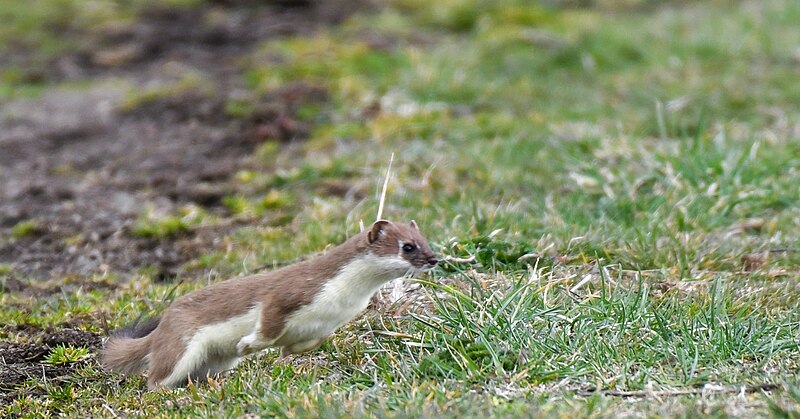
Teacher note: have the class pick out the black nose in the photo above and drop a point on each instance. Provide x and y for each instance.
(433, 261)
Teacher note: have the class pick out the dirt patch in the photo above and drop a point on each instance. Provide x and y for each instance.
(210, 35)
(83, 167)
(23, 362)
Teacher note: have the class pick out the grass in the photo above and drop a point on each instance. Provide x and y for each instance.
(626, 180)
(187, 84)
(66, 354)
(25, 228)
(159, 226)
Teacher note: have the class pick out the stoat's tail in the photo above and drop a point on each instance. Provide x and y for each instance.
(127, 350)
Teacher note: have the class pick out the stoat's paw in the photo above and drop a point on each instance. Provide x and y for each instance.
(246, 345)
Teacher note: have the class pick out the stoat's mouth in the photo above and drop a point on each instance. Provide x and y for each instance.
(414, 270)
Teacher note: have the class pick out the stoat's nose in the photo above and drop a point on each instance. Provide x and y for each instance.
(433, 261)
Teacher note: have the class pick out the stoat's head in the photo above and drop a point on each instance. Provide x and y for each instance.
(401, 241)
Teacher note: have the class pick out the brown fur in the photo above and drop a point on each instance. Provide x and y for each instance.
(280, 292)
(127, 354)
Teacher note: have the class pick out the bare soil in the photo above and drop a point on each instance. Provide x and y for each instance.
(26, 362)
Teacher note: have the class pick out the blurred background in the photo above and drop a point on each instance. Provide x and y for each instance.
(138, 134)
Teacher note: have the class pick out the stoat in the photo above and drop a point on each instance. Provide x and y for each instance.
(293, 308)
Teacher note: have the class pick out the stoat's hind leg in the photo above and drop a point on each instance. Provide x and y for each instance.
(221, 364)
(214, 367)
(171, 361)
(191, 362)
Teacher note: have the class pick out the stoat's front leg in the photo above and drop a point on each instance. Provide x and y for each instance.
(252, 343)
(300, 347)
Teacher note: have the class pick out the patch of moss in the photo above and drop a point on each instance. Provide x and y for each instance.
(27, 228)
(189, 83)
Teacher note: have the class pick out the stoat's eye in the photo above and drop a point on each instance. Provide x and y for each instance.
(408, 248)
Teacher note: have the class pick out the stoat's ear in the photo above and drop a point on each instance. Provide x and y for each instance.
(413, 225)
(376, 230)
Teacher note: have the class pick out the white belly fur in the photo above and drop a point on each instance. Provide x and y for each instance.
(341, 298)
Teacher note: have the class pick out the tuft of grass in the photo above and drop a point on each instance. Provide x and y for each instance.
(190, 83)
(152, 225)
(27, 228)
(271, 202)
(623, 335)
(6, 269)
(168, 226)
(65, 354)
(323, 61)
